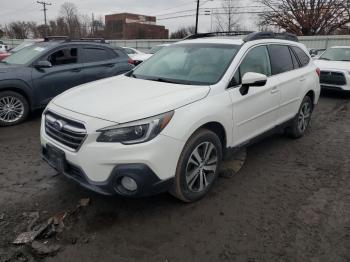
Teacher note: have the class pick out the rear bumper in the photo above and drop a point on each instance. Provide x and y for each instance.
(335, 87)
(148, 183)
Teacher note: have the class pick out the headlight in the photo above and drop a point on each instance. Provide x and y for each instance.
(135, 132)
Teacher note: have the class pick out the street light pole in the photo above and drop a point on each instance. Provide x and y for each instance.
(197, 14)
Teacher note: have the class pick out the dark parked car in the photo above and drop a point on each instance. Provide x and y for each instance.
(30, 78)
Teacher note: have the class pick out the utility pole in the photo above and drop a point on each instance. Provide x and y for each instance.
(44, 9)
(197, 14)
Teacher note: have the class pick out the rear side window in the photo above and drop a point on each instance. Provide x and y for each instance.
(281, 59)
(303, 58)
(295, 59)
(97, 54)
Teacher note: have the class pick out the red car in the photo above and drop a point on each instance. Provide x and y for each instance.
(3, 55)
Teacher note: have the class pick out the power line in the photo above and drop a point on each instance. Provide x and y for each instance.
(44, 4)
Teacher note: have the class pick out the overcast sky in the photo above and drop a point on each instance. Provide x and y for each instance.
(29, 10)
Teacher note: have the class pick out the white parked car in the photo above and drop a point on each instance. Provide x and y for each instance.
(3, 48)
(166, 125)
(140, 58)
(335, 68)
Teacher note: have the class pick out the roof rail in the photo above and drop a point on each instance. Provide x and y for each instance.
(213, 34)
(53, 38)
(99, 40)
(270, 35)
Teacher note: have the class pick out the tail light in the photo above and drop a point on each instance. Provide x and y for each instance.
(131, 62)
(318, 71)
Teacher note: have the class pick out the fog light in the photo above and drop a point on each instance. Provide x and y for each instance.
(129, 184)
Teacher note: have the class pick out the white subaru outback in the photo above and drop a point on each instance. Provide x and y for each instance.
(166, 125)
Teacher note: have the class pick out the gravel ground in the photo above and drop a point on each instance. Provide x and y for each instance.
(290, 202)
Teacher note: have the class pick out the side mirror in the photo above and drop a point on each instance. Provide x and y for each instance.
(43, 64)
(254, 79)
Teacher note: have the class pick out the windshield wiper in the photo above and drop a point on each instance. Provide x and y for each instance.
(164, 80)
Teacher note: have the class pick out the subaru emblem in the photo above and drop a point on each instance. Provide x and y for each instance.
(58, 125)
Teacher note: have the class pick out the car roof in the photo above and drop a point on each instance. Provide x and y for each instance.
(238, 41)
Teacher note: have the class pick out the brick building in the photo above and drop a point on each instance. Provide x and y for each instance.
(133, 26)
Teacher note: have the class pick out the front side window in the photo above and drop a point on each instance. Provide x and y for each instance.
(193, 64)
(336, 54)
(256, 61)
(64, 56)
(281, 59)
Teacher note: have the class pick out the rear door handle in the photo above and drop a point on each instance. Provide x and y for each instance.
(274, 90)
(110, 65)
(76, 70)
(302, 79)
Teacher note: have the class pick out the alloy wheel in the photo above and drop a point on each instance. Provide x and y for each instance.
(11, 109)
(304, 117)
(201, 167)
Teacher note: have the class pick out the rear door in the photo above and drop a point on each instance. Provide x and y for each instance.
(64, 74)
(254, 112)
(99, 62)
(286, 69)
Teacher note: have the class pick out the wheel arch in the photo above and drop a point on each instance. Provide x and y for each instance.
(19, 90)
(312, 96)
(218, 129)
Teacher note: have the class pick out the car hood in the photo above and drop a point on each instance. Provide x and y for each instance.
(122, 99)
(7, 68)
(337, 65)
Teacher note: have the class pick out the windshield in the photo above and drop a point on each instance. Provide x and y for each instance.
(192, 64)
(25, 55)
(21, 46)
(336, 54)
(156, 49)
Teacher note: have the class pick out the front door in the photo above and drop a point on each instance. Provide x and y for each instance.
(65, 73)
(256, 111)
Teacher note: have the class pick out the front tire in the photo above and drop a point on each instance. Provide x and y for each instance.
(198, 166)
(14, 108)
(302, 120)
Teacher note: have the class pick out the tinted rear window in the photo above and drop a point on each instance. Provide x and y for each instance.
(303, 58)
(281, 59)
(97, 54)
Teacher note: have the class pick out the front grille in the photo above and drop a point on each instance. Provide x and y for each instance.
(65, 131)
(332, 78)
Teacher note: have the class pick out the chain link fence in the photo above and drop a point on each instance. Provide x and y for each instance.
(318, 42)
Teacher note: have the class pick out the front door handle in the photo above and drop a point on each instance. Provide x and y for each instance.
(76, 70)
(274, 90)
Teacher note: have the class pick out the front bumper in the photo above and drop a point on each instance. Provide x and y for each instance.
(97, 165)
(148, 183)
(332, 85)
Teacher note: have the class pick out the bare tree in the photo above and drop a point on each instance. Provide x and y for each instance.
(69, 13)
(18, 30)
(306, 17)
(183, 32)
(227, 18)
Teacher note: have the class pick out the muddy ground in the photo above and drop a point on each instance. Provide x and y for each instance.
(290, 202)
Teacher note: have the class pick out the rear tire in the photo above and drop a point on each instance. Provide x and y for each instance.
(302, 120)
(198, 166)
(14, 108)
